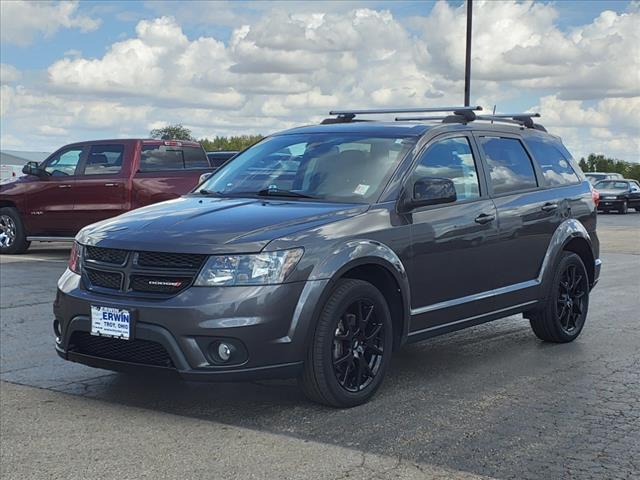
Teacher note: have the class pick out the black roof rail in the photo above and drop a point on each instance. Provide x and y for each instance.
(345, 116)
(522, 119)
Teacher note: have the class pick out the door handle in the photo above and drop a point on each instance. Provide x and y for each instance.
(485, 218)
(549, 207)
(110, 184)
(64, 185)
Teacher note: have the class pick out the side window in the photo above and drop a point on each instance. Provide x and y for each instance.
(64, 163)
(451, 159)
(154, 158)
(556, 169)
(104, 160)
(195, 158)
(509, 165)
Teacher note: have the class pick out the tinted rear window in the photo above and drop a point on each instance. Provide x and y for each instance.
(155, 158)
(104, 159)
(556, 169)
(509, 164)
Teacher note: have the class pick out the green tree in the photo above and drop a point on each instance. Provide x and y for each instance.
(236, 142)
(600, 163)
(172, 132)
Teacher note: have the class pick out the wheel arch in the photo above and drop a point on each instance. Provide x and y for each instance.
(377, 264)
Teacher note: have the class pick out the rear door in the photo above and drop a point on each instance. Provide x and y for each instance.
(101, 186)
(50, 202)
(528, 215)
(166, 170)
(454, 246)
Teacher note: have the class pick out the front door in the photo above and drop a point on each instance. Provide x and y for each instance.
(50, 203)
(455, 249)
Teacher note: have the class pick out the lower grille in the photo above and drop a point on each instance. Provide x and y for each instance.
(104, 279)
(143, 352)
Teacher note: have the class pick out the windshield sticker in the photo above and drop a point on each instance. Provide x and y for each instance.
(361, 189)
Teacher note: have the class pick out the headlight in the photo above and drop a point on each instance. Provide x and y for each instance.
(258, 269)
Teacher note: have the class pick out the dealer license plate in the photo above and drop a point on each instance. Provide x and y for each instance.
(110, 322)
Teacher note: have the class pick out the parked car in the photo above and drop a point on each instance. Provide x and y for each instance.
(86, 182)
(595, 177)
(618, 195)
(9, 172)
(320, 250)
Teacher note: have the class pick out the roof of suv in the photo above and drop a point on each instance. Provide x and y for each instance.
(401, 129)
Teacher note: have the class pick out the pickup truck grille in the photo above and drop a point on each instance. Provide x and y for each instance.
(142, 274)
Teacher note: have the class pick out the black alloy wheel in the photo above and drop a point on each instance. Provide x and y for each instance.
(572, 293)
(350, 350)
(358, 346)
(562, 317)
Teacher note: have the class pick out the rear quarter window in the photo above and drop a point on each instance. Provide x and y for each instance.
(556, 168)
(155, 158)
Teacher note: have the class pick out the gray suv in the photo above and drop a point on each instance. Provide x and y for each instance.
(320, 250)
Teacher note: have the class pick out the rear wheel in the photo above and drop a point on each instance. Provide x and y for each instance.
(12, 235)
(351, 347)
(624, 208)
(563, 317)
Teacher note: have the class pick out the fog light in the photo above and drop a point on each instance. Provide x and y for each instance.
(224, 351)
(57, 332)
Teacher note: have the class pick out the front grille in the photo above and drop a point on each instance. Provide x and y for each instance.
(156, 284)
(170, 260)
(100, 278)
(143, 352)
(150, 274)
(106, 255)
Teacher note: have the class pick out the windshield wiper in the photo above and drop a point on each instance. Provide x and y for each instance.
(277, 192)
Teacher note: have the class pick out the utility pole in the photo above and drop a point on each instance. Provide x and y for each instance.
(467, 66)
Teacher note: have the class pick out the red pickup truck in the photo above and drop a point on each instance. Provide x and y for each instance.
(86, 182)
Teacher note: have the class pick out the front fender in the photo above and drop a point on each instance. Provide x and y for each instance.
(340, 260)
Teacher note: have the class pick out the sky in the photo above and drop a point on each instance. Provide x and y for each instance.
(73, 71)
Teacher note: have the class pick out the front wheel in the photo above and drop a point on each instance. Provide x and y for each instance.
(12, 235)
(351, 347)
(561, 320)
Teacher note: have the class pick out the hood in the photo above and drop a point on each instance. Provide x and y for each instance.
(194, 224)
(11, 184)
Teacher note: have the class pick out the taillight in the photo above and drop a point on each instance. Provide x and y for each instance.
(74, 258)
(595, 195)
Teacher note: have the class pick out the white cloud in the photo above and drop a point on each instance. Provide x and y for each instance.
(292, 64)
(21, 20)
(9, 73)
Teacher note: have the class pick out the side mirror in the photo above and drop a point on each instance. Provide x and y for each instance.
(204, 177)
(431, 191)
(33, 168)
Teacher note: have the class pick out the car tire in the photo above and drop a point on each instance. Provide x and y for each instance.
(624, 208)
(350, 350)
(13, 238)
(563, 316)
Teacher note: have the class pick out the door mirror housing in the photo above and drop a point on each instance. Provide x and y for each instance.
(431, 191)
(33, 168)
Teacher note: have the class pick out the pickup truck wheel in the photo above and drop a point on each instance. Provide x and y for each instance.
(12, 234)
(561, 320)
(351, 347)
(624, 208)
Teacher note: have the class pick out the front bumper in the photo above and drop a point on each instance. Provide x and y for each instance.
(271, 323)
(612, 204)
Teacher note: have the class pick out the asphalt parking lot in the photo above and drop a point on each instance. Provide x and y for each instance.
(490, 401)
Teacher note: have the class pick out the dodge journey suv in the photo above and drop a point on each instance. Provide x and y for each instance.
(320, 250)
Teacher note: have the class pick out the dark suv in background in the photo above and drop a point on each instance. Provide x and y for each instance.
(321, 249)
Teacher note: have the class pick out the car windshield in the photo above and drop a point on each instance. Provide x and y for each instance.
(611, 185)
(332, 167)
